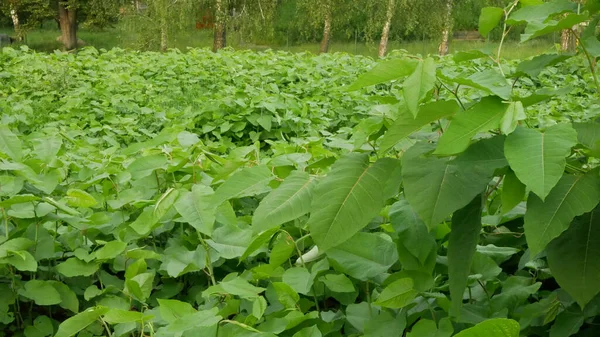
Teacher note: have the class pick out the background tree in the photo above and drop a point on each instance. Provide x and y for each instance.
(447, 30)
(385, 34)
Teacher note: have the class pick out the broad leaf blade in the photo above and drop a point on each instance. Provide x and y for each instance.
(482, 116)
(397, 295)
(73, 325)
(288, 202)
(538, 158)
(347, 199)
(406, 123)
(247, 182)
(489, 19)
(197, 208)
(10, 143)
(573, 257)
(574, 195)
(462, 244)
(385, 71)
(498, 327)
(419, 84)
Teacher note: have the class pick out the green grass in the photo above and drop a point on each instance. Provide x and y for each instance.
(45, 40)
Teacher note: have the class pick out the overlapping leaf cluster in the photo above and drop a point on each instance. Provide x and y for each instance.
(243, 194)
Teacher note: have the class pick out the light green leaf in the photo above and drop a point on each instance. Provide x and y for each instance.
(533, 67)
(16, 244)
(286, 295)
(363, 256)
(170, 310)
(110, 250)
(539, 158)
(144, 166)
(588, 134)
(73, 325)
(42, 327)
(118, 316)
(41, 292)
(482, 116)
(540, 13)
(68, 297)
(567, 323)
(74, 267)
(198, 319)
(513, 192)
(398, 294)
(197, 208)
(428, 328)
(436, 187)
(510, 120)
(385, 325)
(489, 81)
(462, 244)
(230, 241)
(417, 249)
(347, 199)
(490, 17)
(10, 143)
(247, 182)
(312, 331)
(47, 148)
(22, 260)
(498, 327)
(299, 278)
(282, 251)
(384, 72)
(178, 260)
(338, 283)
(288, 202)
(259, 241)
(574, 195)
(419, 84)
(406, 123)
(259, 305)
(573, 257)
(237, 287)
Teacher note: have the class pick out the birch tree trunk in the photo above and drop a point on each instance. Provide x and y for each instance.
(164, 35)
(326, 28)
(220, 32)
(385, 34)
(68, 26)
(448, 25)
(15, 19)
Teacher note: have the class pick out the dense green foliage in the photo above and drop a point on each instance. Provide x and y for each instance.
(275, 194)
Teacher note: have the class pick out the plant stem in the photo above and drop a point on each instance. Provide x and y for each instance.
(589, 59)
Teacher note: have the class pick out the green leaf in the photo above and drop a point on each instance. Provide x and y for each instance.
(178, 260)
(312, 331)
(588, 134)
(47, 148)
(140, 286)
(428, 328)
(282, 251)
(258, 242)
(259, 306)
(574, 195)
(41, 292)
(247, 182)
(417, 249)
(539, 158)
(364, 256)
(198, 319)
(144, 166)
(42, 327)
(436, 187)
(514, 114)
(237, 287)
(567, 323)
(299, 278)
(489, 81)
(68, 297)
(419, 84)
(537, 29)
(542, 12)
(118, 316)
(513, 192)
(110, 250)
(498, 327)
(398, 294)
(75, 324)
(10, 143)
(21, 260)
(533, 67)
(286, 295)
(384, 72)
(170, 310)
(197, 208)
(573, 257)
(338, 283)
(288, 202)
(13, 245)
(490, 17)
(482, 116)
(406, 123)
(462, 244)
(347, 199)
(230, 241)
(385, 325)
(74, 267)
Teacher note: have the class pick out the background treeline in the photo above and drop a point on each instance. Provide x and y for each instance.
(154, 24)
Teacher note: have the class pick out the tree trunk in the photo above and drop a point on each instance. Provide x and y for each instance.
(68, 26)
(385, 34)
(164, 37)
(219, 40)
(448, 25)
(15, 19)
(326, 29)
(567, 42)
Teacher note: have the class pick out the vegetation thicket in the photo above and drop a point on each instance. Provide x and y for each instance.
(243, 194)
